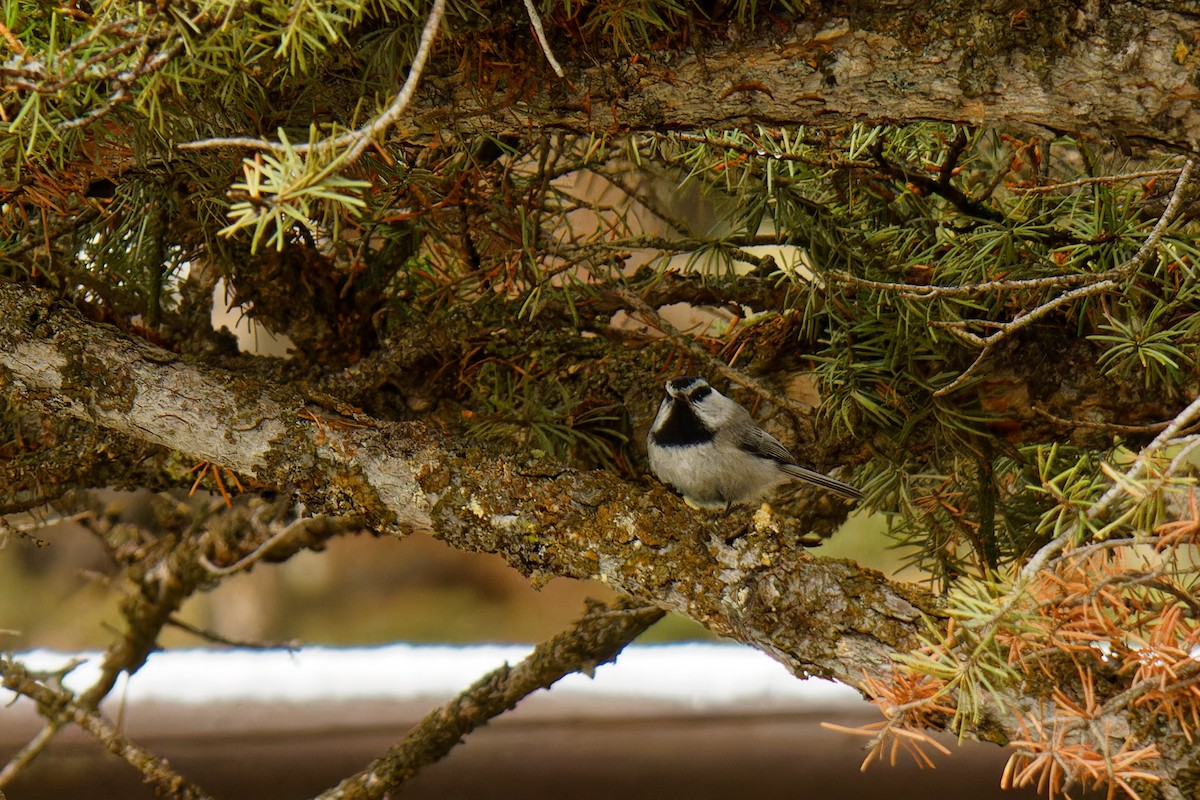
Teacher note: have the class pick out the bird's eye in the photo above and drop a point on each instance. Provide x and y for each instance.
(699, 393)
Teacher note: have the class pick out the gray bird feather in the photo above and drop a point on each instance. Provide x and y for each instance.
(709, 449)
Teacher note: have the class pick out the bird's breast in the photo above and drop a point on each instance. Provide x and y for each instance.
(680, 427)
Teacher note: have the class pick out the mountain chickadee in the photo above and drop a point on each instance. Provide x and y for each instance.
(708, 448)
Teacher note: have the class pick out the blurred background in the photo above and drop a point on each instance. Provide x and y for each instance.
(362, 590)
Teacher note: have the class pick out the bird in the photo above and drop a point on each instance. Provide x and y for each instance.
(708, 448)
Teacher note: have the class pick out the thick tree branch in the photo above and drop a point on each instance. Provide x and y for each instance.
(1120, 70)
(744, 578)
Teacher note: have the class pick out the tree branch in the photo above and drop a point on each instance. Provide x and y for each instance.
(1057, 75)
(741, 576)
(156, 770)
(1103, 282)
(358, 140)
(594, 639)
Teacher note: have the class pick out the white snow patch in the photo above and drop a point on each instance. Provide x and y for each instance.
(696, 675)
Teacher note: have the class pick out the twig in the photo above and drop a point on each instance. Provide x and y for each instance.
(536, 22)
(942, 186)
(596, 638)
(29, 752)
(924, 291)
(1006, 329)
(36, 76)
(1155, 582)
(1104, 426)
(1103, 282)
(1138, 470)
(1128, 176)
(25, 529)
(357, 140)
(715, 364)
(1184, 455)
(242, 142)
(121, 83)
(291, 646)
(66, 708)
(253, 557)
(1182, 184)
(1190, 673)
(949, 164)
(966, 374)
(371, 132)
(1082, 551)
(303, 532)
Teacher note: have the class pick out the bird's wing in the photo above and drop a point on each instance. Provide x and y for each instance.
(762, 444)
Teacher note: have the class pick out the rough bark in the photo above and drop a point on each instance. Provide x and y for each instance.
(743, 578)
(1118, 71)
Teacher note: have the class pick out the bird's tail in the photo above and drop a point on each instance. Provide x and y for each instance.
(824, 481)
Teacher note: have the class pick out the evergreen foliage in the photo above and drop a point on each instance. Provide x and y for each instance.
(998, 327)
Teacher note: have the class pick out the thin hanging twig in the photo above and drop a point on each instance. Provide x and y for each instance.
(536, 22)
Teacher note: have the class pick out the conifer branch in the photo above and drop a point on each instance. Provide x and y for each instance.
(356, 141)
(1096, 285)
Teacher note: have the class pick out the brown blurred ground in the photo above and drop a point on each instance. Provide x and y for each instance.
(546, 749)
